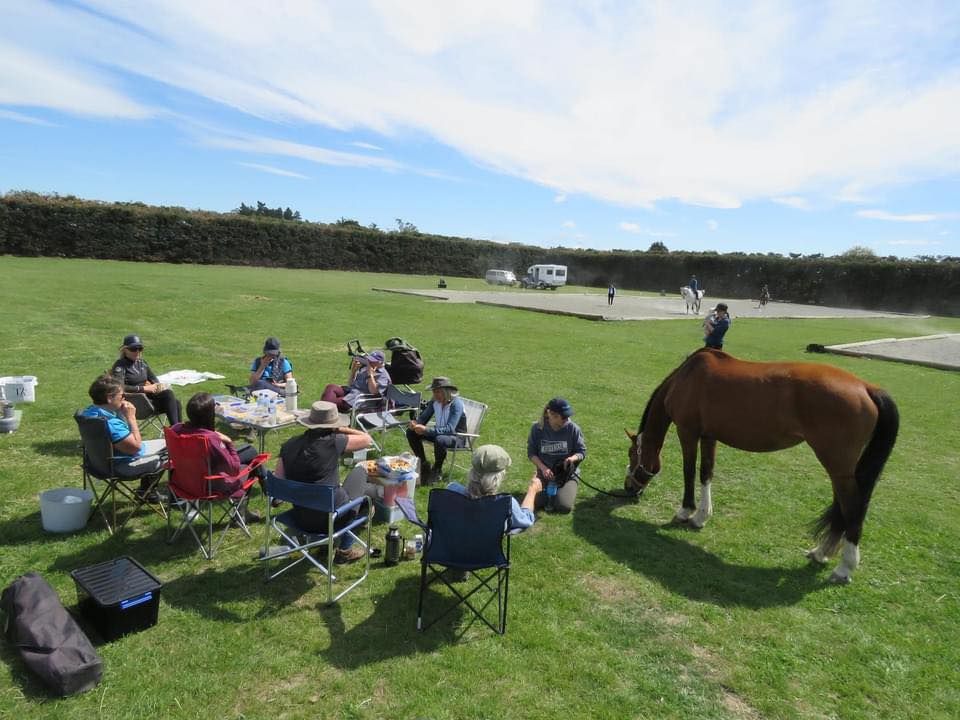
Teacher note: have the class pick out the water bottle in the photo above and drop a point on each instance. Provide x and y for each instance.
(394, 542)
(272, 414)
(291, 395)
(551, 494)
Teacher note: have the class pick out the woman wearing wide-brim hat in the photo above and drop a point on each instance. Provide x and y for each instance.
(314, 457)
(446, 409)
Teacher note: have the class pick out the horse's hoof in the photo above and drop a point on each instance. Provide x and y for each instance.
(838, 579)
(681, 519)
(816, 557)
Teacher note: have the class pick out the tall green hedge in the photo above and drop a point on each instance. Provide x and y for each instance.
(39, 225)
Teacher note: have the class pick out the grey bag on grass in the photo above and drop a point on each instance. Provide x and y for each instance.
(47, 637)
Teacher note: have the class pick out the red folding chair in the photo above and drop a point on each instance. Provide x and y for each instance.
(194, 493)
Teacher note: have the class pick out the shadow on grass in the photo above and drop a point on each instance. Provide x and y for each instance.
(213, 592)
(147, 546)
(391, 631)
(684, 568)
(60, 448)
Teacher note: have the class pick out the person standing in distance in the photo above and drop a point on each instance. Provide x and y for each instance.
(716, 326)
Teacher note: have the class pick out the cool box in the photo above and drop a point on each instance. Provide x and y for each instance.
(118, 596)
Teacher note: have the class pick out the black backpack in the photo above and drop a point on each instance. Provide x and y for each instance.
(49, 640)
(406, 365)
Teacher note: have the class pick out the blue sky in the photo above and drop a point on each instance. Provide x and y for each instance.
(805, 127)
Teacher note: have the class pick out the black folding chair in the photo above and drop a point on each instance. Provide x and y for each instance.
(470, 536)
(100, 468)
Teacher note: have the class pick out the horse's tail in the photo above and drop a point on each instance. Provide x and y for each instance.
(867, 472)
(875, 455)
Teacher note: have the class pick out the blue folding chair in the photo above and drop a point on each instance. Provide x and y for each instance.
(467, 535)
(297, 545)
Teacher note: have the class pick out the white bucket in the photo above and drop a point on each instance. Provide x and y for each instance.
(18, 388)
(65, 509)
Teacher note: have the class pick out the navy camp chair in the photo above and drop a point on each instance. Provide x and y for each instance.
(296, 545)
(466, 535)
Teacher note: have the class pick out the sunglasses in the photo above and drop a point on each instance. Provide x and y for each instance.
(135, 349)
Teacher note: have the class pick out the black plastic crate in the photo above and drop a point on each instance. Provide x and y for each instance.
(118, 597)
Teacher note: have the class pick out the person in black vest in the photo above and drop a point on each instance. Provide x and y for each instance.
(137, 377)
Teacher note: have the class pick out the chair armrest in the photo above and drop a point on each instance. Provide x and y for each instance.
(355, 503)
(466, 435)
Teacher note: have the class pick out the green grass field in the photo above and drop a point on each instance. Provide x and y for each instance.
(614, 613)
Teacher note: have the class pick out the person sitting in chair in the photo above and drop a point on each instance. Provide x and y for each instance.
(488, 467)
(271, 370)
(448, 420)
(145, 456)
(314, 457)
(222, 455)
(556, 448)
(368, 376)
(137, 377)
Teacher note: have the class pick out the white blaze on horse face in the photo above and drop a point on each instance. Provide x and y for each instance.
(704, 509)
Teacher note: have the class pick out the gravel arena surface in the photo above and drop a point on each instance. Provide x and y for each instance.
(940, 351)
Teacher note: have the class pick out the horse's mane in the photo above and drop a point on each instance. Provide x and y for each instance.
(667, 379)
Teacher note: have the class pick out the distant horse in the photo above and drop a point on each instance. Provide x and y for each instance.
(850, 424)
(692, 299)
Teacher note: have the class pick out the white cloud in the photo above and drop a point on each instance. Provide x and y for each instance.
(767, 100)
(892, 217)
(274, 146)
(22, 118)
(793, 201)
(561, 198)
(366, 146)
(273, 170)
(713, 225)
(636, 229)
(569, 224)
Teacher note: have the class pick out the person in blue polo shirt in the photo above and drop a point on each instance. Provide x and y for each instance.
(129, 447)
(272, 369)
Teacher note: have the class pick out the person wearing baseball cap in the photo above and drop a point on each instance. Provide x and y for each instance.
(368, 376)
(488, 468)
(556, 448)
(272, 369)
(715, 326)
(446, 409)
(135, 375)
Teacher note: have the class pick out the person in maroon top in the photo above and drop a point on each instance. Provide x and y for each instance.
(224, 457)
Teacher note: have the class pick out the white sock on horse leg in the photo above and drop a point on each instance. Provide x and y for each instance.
(849, 561)
(704, 509)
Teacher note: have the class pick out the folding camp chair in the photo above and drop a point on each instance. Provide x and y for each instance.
(399, 408)
(295, 543)
(100, 468)
(474, 412)
(193, 492)
(469, 535)
(147, 415)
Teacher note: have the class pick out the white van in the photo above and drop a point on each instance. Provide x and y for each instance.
(545, 277)
(500, 277)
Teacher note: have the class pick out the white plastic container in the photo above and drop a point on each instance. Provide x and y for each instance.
(65, 510)
(291, 395)
(18, 388)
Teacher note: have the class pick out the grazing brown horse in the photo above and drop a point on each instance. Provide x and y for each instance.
(713, 397)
